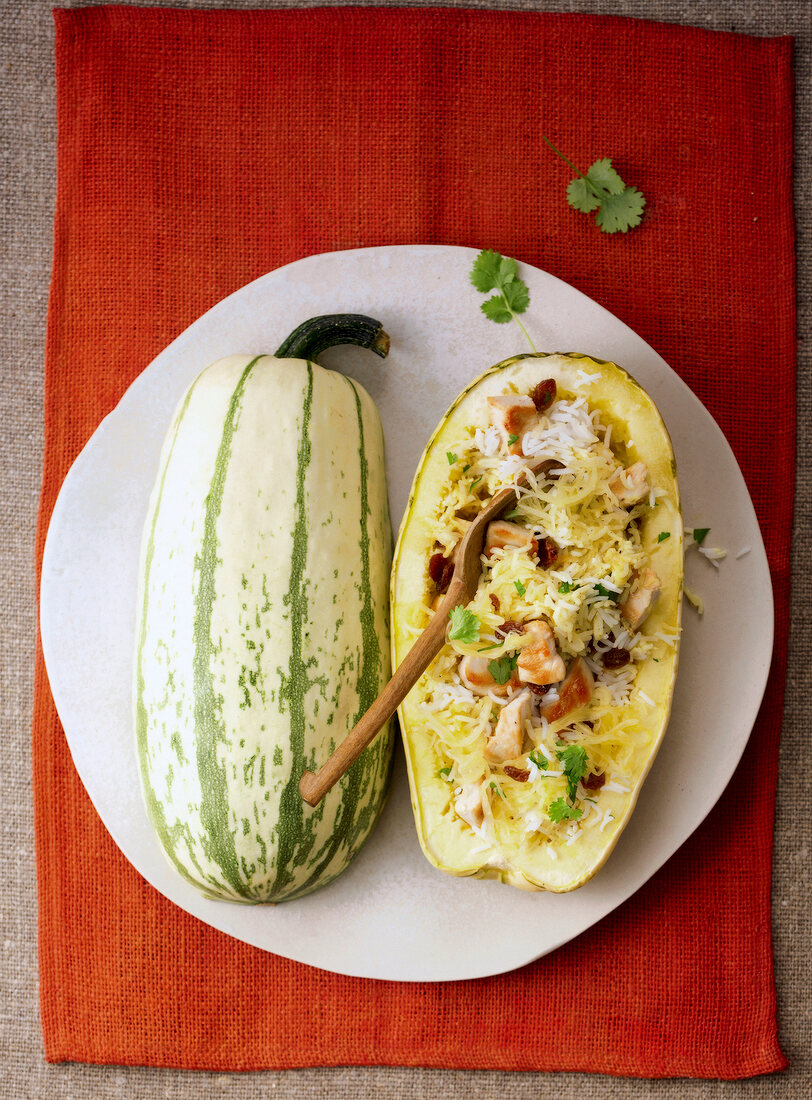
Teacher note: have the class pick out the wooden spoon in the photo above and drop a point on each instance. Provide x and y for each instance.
(461, 590)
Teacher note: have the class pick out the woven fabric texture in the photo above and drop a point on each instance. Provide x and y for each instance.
(198, 150)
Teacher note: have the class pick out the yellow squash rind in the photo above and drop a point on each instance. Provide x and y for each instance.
(447, 841)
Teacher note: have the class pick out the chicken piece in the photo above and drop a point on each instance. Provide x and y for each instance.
(468, 804)
(476, 676)
(630, 486)
(637, 604)
(507, 739)
(539, 663)
(574, 694)
(501, 533)
(512, 415)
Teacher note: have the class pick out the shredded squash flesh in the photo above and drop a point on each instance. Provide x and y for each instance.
(579, 514)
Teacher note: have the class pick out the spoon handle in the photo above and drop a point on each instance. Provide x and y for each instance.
(313, 787)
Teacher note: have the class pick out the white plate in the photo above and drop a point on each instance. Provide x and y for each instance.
(391, 915)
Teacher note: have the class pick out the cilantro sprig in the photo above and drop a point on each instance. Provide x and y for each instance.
(502, 668)
(607, 593)
(574, 759)
(492, 271)
(464, 626)
(539, 759)
(619, 207)
(568, 586)
(561, 811)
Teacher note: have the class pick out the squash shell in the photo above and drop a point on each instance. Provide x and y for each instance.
(447, 841)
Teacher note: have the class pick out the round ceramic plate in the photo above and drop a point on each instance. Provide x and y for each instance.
(391, 915)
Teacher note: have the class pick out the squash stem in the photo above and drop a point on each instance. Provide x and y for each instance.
(313, 337)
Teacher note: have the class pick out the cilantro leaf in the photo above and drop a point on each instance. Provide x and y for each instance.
(502, 668)
(700, 534)
(444, 773)
(574, 759)
(603, 175)
(520, 588)
(495, 787)
(568, 586)
(601, 191)
(607, 593)
(452, 458)
(560, 811)
(580, 197)
(516, 295)
(513, 439)
(539, 759)
(496, 309)
(488, 270)
(663, 535)
(464, 626)
(618, 213)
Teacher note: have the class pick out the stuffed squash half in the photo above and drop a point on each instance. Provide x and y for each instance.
(529, 736)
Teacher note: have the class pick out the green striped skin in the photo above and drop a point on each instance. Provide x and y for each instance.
(263, 627)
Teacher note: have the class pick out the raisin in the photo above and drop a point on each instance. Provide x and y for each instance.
(594, 781)
(441, 569)
(615, 658)
(494, 602)
(510, 627)
(436, 562)
(547, 552)
(519, 774)
(539, 689)
(544, 394)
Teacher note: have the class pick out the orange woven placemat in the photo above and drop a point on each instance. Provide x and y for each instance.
(198, 150)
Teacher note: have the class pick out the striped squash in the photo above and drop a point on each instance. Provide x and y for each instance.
(263, 619)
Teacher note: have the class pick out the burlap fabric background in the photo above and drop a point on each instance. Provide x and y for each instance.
(27, 179)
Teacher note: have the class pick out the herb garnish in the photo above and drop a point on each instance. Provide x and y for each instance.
(567, 586)
(512, 439)
(618, 206)
(560, 811)
(444, 773)
(663, 535)
(606, 593)
(574, 759)
(502, 668)
(464, 625)
(492, 271)
(539, 759)
(495, 787)
(700, 534)
(520, 588)
(452, 458)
